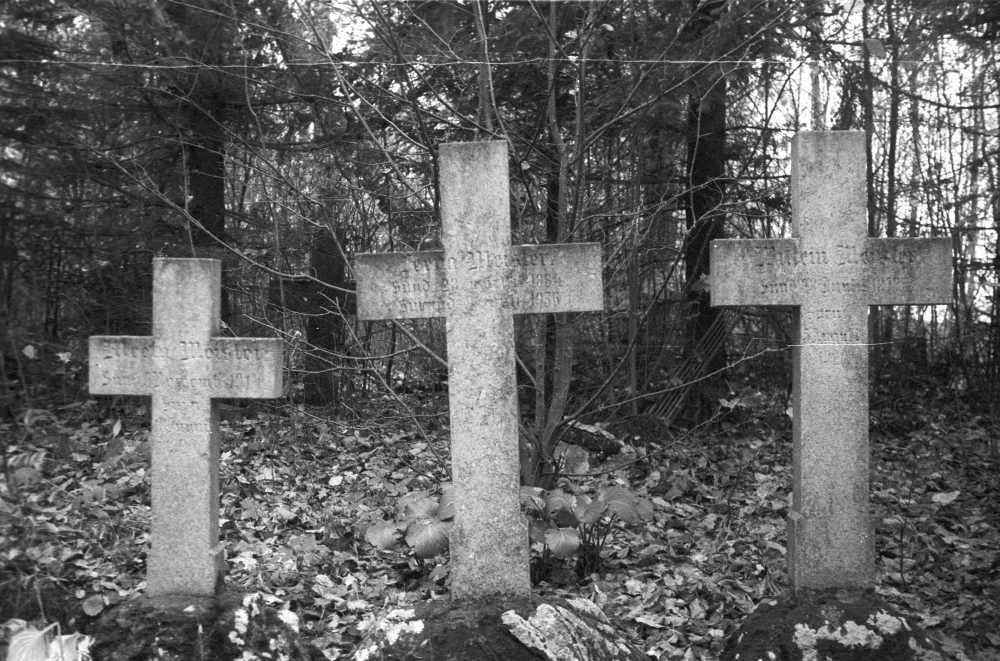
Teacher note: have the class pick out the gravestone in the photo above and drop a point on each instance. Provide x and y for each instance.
(832, 271)
(478, 282)
(183, 366)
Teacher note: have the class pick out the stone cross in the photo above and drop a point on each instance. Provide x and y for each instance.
(478, 282)
(832, 271)
(183, 366)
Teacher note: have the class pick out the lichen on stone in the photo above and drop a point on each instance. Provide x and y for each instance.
(365, 653)
(401, 614)
(522, 629)
(849, 634)
(241, 620)
(561, 633)
(856, 635)
(398, 622)
(886, 623)
(804, 636)
(394, 624)
(588, 607)
(290, 619)
(251, 602)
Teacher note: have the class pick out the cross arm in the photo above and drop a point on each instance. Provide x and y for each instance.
(908, 271)
(875, 272)
(405, 285)
(557, 277)
(121, 365)
(550, 277)
(756, 271)
(245, 367)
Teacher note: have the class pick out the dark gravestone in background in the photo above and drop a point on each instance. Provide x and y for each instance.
(324, 308)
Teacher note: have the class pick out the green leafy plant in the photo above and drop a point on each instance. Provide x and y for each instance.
(562, 524)
(422, 523)
(47, 644)
(565, 524)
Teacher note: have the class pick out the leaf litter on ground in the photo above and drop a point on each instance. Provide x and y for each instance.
(300, 492)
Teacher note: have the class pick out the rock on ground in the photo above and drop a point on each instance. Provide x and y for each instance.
(554, 630)
(828, 626)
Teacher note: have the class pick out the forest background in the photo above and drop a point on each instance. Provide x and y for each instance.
(285, 136)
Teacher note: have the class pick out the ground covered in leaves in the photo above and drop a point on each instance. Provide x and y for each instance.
(300, 489)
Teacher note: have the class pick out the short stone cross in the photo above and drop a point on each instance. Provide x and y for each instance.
(183, 366)
(832, 271)
(478, 282)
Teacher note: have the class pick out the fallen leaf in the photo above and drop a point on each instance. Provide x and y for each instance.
(563, 542)
(93, 605)
(945, 497)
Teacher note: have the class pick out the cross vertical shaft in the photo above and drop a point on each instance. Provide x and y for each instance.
(830, 532)
(490, 539)
(184, 550)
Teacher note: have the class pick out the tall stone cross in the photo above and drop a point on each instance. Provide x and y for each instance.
(478, 282)
(832, 271)
(183, 366)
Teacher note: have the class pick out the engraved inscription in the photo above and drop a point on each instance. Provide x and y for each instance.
(173, 400)
(827, 326)
(873, 255)
(544, 281)
(125, 382)
(474, 260)
(194, 350)
(484, 292)
(420, 307)
(827, 286)
(121, 364)
(138, 367)
(409, 288)
(532, 279)
(174, 426)
(768, 256)
(546, 299)
(414, 278)
(215, 382)
(772, 288)
(126, 349)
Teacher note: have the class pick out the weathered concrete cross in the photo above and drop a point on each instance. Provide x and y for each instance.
(184, 366)
(478, 283)
(833, 272)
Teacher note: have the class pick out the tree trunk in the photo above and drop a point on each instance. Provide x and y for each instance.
(206, 176)
(994, 363)
(704, 215)
(205, 36)
(485, 113)
(325, 323)
(554, 364)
